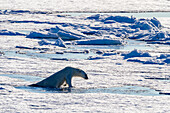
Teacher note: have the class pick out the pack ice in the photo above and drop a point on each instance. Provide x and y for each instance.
(100, 26)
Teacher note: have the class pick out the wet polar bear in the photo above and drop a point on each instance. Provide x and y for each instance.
(64, 75)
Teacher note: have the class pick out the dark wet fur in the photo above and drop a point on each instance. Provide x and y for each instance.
(34, 85)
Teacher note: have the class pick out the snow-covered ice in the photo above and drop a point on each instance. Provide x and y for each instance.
(107, 72)
(94, 26)
(87, 6)
(131, 76)
(136, 53)
(58, 42)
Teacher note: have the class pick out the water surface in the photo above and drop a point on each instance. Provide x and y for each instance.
(127, 90)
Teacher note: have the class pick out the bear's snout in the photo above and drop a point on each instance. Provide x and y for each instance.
(86, 77)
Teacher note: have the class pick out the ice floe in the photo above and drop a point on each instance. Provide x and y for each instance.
(135, 56)
(101, 25)
(104, 74)
(57, 32)
(6, 32)
(109, 53)
(121, 19)
(6, 12)
(136, 53)
(77, 51)
(95, 58)
(100, 42)
(165, 58)
(32, 48)
(58, 42)
(34, 34)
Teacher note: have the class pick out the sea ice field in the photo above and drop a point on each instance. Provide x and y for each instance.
(125, 52)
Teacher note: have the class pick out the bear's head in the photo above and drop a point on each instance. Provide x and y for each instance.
(81, 73)
(78, 72)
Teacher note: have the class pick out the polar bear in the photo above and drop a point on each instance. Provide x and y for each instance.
(64, 75)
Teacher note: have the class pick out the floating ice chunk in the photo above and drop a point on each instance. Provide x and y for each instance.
(91, 32)
(23, 47)
(77, 51)
(160, 36)
(147, 24)
(136, 53)
(121, 19)
(167, 60)
(139, 35)
(149, 61)
(6, 32)
(68, 36)
(160, 42)
(1, 88)
(113, 19)
(106, 40)
(43, 42)
(143, 25)
(33, 48)
(95, 58)
(153, 61)
(120, 26)
(99, 52)
(59, 42)
(22, 11)
(109, 53)
(99, 42)
(156, 22)
(161, 60)
(55, 30)
(41, 35)
(163, 56)
(135, 60)
(59, 52)
(96, 17)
